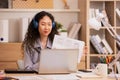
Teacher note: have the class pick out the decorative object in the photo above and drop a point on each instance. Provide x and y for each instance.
(37, 1)
(66, 6)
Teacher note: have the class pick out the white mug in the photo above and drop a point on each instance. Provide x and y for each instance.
(101, 69)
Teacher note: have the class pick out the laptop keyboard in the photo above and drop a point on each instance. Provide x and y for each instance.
(18, 71)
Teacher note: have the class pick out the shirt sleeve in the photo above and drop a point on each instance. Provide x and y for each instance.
(28, 61)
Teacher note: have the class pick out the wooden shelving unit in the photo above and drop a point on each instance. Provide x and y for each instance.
(109, 6)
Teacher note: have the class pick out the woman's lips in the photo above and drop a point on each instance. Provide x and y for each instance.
(45, 31)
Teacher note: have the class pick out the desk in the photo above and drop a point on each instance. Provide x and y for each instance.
(105, 78)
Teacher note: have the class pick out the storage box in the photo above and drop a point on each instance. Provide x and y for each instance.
(33, 4)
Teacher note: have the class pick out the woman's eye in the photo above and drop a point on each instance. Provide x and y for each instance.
(42, 24)
(49, 24)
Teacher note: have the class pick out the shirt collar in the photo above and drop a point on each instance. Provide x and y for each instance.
(38, 44)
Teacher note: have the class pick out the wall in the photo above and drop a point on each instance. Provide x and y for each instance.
(63, 17)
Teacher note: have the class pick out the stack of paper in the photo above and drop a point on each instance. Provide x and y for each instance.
(61, 42)
(86, 74)
(27, 77)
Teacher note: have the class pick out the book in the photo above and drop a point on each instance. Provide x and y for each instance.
(91, 13)
(118, 66)
(94, 23)
(105, 15)
(117, 12)
(23, 28)
(96, 44)
(4, 30)
(97, 11)
(73, 32)
(105, 44)
(105, 49)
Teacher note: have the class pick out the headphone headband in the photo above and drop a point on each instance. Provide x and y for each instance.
(36, 24)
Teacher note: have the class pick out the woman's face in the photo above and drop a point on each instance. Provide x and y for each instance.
(45, 26)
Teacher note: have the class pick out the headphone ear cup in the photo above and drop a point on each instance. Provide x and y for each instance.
(35, 23)
(53, 24)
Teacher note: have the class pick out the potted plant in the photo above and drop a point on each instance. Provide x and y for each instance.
(61, 29)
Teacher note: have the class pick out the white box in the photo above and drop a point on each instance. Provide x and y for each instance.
(23, 28)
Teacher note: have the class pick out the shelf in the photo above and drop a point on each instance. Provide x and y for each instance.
(106, 28)
(118, 27)
(101, 38)
(102, 55)
(102, 0)
(9, 43)
(38, 10)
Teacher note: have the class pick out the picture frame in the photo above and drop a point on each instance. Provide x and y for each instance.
(5, 4)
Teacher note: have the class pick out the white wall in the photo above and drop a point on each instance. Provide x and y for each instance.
(64, 18)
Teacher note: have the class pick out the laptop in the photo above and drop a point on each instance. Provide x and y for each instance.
(58, 61)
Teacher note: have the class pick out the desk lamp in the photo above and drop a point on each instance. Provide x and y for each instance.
(112, 32)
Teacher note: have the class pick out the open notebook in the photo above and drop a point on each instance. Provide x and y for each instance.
(58, 61)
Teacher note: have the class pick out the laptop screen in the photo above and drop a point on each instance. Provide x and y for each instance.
(58, 61)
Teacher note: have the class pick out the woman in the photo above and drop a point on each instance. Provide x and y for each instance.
(40, 34)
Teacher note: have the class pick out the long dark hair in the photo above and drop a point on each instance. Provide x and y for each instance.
(33, 34)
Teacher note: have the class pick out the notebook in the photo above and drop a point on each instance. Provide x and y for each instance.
(53, 61)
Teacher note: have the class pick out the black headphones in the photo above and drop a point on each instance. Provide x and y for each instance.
(36, 24)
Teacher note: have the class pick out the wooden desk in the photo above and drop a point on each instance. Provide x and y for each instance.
(98, 79)
(105, 78)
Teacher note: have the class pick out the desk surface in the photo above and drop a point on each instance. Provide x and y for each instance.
(100, 78)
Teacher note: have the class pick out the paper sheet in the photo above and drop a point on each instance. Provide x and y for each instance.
(28, 78)
(114, 75)
(61, 77)
(61, 42)
(49, 77)
(87, 75)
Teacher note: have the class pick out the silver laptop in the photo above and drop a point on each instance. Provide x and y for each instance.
(58, 61)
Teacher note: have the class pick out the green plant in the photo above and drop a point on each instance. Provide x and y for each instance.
(63, 30)
(58, 25)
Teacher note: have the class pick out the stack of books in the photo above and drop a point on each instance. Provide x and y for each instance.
(94, 18)
(73, 30)
(101, 45)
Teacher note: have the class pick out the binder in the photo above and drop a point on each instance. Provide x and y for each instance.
(4, 30)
